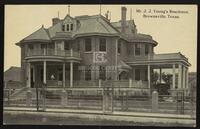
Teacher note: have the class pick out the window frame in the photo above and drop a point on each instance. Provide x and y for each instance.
(137, 49)
(30, 46)
(146, 49)
(104, 44)
(63, 27)
(68, 27)
(137, 74)
(102, 72)
(87, 43)
(119, 47)
(68, 43)
(71, 26)
(88, 75)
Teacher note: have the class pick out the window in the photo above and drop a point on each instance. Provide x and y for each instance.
(30, 46)
(137, 74)
(119, 47)
(88, 44)
(88, 74)
(63, 27)
(146, 75)
(59, 46)
(43, 46)
(67, 45)
(51, 46)
(60, 74)
(137, 49)
(71, 27)
(102, 72)
(41, 75)
(146, 49)
(102, 44)
(78, 45)
(67, 27)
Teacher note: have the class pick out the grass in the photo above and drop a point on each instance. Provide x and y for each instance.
(36, 119)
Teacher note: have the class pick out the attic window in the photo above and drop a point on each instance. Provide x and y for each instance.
(71, 27)
(67, 27)
(63, 27)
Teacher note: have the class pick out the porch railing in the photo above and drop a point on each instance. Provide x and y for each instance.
(100, 83)
(53, 52)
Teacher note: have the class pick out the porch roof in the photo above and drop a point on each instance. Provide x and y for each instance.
(122, 66)
(168, 58)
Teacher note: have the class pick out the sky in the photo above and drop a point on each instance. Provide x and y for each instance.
(172, 34)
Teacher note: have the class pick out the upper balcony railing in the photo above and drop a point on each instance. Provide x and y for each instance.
(53, 52)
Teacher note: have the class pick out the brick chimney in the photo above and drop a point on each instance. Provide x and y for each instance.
(55, 21)
(123, 19)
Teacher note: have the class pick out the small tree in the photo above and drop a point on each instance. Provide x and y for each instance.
(167, 78)
(155, 76)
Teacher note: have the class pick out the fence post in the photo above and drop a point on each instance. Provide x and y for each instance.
(64, 98)
(154, 101)
(9, 96)
(99, 83)
(28, 98)
(130, 82)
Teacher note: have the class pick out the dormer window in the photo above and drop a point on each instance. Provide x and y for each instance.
(63, 27)
(71, 27)
(67, 27)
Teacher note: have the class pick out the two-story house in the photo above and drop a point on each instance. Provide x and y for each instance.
(80, 51)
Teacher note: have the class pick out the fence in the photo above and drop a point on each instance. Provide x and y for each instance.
(106, 99)
(100, 83)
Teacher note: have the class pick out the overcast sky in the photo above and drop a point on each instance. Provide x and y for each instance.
(173, 35)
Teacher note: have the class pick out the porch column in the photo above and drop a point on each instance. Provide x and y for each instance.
(149, 77)
(44, 72)
(174, 77)
(34, 73)
(71, 74)
(160, 75)
(116, 54)
(64, 75)
(186, 79)
(28, 75)
(183, 80)
(179, 75)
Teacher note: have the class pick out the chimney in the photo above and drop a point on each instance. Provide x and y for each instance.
(123, 19)
(55, 21)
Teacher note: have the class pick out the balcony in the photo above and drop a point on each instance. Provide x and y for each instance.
(53, 53)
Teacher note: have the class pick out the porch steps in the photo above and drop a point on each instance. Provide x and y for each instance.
(19, 91)
(20, 96)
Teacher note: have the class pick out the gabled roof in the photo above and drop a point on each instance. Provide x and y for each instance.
(41, 34)
(95, 24)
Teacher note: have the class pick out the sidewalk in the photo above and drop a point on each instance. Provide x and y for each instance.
(138, 117)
